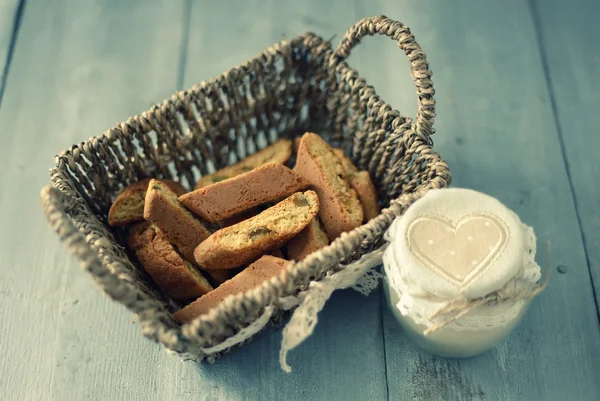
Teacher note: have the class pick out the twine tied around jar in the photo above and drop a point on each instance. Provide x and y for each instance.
(457, 308)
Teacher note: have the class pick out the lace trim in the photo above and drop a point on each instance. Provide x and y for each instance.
(304, 318)
(243, 334)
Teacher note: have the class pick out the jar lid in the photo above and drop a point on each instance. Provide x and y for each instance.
(455, 243)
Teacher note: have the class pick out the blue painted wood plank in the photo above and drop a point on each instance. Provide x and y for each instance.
(496, 130)
(9, 17)
(339, 362)
(78, 67)
(569, 35)
(104, 61)
(344, 359)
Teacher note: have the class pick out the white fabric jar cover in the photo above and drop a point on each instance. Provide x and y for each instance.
(450, 251)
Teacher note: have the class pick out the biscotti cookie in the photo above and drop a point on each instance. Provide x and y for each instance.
(311, 239)
(177, 223)
(340, 210)
(277, 253)
(361, 182)
(224, 199)
(349, 167)
(218, 276)
(367, 194)
(279, 152)
(238, 218)
(138, 235)
(258, 272)
(171, 273)
(128, 207)
(242, 243)
(296, 142)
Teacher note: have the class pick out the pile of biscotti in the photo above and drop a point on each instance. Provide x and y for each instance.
(242, 224)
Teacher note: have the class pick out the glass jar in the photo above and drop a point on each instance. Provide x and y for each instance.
(464, 248)
(450, 342)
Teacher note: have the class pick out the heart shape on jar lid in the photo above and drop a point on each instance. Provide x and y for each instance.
(459, 251)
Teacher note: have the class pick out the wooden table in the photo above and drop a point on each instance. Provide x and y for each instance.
(518, 89)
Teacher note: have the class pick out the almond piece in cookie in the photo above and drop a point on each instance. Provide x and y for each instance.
(177, 224)
(258, 272)
(340, 210)
(311, 239)
(242, 243)
(279, 152)
(177, 277)
(128, 207)
(367, 194)
(224, 199)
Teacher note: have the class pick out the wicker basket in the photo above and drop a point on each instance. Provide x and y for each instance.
(292, 87)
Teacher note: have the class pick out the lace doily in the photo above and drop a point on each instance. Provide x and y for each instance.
(419, 305)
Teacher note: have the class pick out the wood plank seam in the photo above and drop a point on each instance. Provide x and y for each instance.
(13, 40)
(61, 306)
(557, 123)
(382, 305)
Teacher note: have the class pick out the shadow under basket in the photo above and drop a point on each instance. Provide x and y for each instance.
(292, 87)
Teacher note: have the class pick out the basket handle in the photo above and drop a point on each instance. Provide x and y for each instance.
(419, 68)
